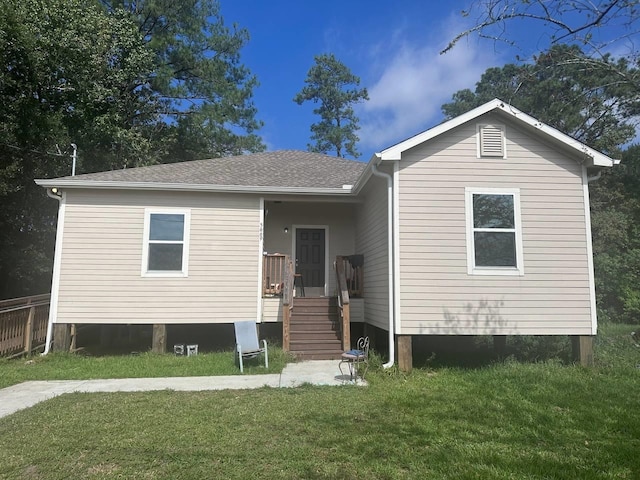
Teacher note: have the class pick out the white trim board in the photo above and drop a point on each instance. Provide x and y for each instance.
(259, 313)
(592, 280)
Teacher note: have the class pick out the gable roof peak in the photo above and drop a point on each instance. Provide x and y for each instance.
(595, 158)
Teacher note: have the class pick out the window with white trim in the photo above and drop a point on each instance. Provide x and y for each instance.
(166, 243)
(494, 234)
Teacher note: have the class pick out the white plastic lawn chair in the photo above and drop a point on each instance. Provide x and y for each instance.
(247, 345)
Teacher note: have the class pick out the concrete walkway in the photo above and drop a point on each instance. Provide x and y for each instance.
(316, 372)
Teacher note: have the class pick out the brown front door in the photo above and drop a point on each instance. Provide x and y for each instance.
(310, 261)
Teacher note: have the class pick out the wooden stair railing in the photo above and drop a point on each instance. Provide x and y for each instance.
(354, 272)
(343, 303)
(287, 303)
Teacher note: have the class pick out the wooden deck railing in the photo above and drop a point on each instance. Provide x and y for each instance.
(343, 303)
(23, 324)
(287, 302)
(273, 274)
(353, 266)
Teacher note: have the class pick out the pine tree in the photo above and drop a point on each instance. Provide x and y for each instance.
(331, 84)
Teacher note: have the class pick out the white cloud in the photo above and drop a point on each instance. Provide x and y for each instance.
(413, 81)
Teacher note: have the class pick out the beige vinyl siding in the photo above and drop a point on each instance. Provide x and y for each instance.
(437, 294)
(100, 279)
(272, 309)
(371, 241)
(338, 217)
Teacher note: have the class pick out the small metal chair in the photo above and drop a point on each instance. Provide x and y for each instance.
(357, 360)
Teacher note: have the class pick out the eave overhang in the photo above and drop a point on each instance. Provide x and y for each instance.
(187, 187)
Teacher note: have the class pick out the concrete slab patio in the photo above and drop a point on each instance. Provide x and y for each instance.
(316, 372)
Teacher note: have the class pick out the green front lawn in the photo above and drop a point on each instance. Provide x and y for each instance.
(506, 420)
(66, 366)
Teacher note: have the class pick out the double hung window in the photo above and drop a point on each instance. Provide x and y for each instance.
(494, 236)
(166, 243)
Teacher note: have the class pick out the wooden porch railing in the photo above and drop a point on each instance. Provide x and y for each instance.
(343, 303)
(353, 266)
(23, 324)
(273, 274)
(287, 302)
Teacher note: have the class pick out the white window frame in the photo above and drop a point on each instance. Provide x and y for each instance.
(145, 272)
(503, 130)
(472, 269)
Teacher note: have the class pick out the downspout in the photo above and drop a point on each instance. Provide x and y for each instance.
(377, 173)
(53, 303)
(595, 177)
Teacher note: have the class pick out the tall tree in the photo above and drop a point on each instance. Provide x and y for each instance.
(201, 90)
(615, 207)
(583, 101)
(331, 84)
(131, 83)
(62, 65)
(598, 26)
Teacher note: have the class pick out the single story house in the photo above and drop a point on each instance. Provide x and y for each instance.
(478, 226)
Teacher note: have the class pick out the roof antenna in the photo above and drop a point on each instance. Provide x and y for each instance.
(74, 156)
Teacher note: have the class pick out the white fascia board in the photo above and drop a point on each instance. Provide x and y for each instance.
(599, 159)
(366, 174)
(395, 152)
(185, 187)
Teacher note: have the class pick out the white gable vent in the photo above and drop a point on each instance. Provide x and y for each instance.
(491, 139)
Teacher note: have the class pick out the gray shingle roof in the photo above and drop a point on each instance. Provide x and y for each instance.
(282, 168)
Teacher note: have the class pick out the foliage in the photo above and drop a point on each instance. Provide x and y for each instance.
(331, 84)
(508, 420)
(131, 83)
(561, 89)
(601, 25)
(615, 204)
(62, 64)
(203, 93)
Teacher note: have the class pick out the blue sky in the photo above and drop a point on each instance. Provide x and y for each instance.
(392, 46)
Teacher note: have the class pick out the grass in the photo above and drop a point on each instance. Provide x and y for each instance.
(64, 366)
(508, 420)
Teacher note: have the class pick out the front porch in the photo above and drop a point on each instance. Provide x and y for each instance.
(308, 281)
(318, 326)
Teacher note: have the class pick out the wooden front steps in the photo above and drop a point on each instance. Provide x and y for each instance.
(314, 331)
